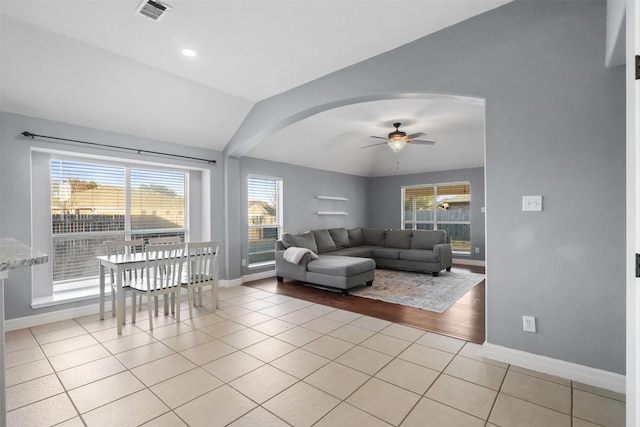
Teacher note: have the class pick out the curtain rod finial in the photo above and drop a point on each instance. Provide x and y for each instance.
(28, 134)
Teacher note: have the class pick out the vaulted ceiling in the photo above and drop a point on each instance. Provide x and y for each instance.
(96, 63)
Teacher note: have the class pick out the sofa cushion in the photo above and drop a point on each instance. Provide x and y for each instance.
(387, 253)
(300, 240)
(324, 241)
(341, 265)
(426, 239)
(340, 237)
(355, 237)
(400, 239)
(422, 255)
(373, 236)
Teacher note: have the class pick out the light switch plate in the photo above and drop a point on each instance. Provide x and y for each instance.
(531, 203)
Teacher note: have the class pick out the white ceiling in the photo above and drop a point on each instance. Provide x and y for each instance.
(95, 63)
(334, 139)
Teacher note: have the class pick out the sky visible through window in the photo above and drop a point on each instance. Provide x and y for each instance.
(63, 170)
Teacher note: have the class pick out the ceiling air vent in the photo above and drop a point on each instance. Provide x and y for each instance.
(153, 9)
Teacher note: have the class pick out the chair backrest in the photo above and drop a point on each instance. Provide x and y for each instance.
(126, 247)
(202, 265)
(164, 240)
(164, 265)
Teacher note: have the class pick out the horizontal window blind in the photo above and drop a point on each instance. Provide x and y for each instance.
(157, 199)
(265, 221)
(89, 207)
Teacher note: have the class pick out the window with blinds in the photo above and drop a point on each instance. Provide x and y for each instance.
(93, 203)
(265, 218)
(440, 207)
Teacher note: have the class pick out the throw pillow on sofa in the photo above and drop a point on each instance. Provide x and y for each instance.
(426, 239)
(300, 240)
(355, 237)
(341, 237)
(373, 236)
(324, 241)
(400, 239)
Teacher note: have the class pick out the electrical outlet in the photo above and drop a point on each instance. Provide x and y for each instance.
(244, 262)
(477, 249)
(528, 323)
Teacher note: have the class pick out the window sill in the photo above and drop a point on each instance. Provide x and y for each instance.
(260, 265)
(59, 298)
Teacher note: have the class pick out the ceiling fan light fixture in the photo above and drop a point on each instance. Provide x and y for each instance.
(397, 143)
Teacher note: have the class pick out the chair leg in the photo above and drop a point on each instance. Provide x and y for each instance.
(149, 303)
(200, 296)
(214, 291)
(113, 302)
(177, 299)
(140, 302)
(133, 307)
(190, 300)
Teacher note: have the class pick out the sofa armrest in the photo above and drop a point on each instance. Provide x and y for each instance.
(291, 271)
(445, 253)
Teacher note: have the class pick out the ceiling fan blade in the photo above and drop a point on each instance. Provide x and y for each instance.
(421, 142)
(378, 137)
(415, 135)
(374, 145)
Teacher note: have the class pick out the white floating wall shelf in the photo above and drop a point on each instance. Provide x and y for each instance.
(332, 198)
(332, 213)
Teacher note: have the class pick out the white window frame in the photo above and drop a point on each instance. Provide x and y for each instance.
(197, 215)
(435, 221)
(279, 217)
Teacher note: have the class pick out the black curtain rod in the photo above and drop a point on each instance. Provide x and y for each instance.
(33, 135)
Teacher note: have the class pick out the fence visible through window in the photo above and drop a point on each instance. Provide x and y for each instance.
(440, 207)
(94, 203)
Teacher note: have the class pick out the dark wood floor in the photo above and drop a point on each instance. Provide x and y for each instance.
(465, 319)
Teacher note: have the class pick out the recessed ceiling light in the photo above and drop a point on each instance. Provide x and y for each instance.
(189, 53)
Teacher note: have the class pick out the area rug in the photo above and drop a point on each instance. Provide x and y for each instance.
(420, 290)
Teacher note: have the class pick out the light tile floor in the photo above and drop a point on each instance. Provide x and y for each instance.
(269, 360)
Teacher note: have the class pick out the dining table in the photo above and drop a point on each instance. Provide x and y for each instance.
(119, 264)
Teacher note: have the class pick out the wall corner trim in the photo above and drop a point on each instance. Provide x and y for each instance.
(560, 368)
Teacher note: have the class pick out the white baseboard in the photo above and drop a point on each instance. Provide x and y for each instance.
(560, 368)
(258, 276)
(248, 278)
(56, 316)
(229, 283)
(463, 261)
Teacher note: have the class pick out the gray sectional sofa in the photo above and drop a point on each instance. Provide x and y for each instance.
(348, 258)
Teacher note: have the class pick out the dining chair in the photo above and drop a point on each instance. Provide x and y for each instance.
(159, 241)
(202, 270)
(163, 274)
(120, 248)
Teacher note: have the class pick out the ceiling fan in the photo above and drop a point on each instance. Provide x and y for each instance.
(397, 139)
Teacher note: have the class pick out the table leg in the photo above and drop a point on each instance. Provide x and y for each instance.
(120, 302)
(101, 276)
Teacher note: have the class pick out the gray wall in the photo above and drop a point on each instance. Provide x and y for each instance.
(15, 188)
(301, 185)
(554, 127)
(384, 199)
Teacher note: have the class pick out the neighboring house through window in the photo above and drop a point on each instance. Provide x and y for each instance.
(265, 219)
(440, 207)
(92, 202)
